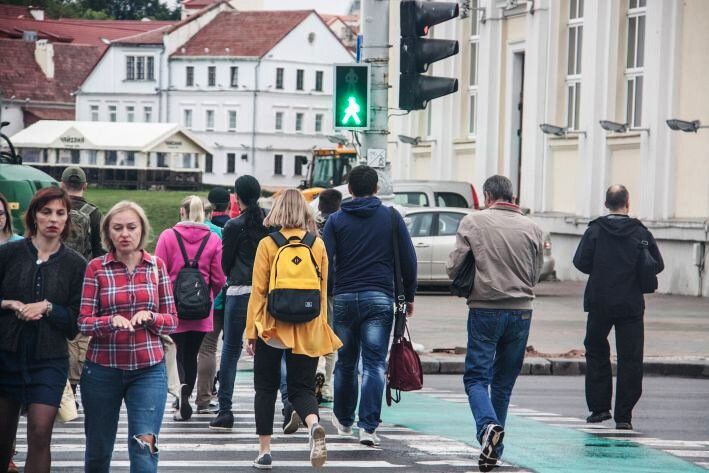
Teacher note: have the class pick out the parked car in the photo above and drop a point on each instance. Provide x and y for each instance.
(420, 193)
(433, 232)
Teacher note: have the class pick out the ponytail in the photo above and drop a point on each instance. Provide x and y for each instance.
(194, 209)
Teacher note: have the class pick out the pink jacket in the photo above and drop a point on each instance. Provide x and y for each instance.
(210, 263)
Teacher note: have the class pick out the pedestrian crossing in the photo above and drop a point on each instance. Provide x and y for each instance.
(190, 445)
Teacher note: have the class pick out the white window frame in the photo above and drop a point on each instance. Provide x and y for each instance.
(209, 120)
(211, 76)
(278, 121)
(130, 113)
(94, 113)
(231, 124)
(635, 66)
(299, 118)
(112, 113)
(148, 113)
(473, 58)
(300, 79)
(280, 73)
(278, 161)
(130, 67)
(319, 81)
(187, 118)
(140, 68)
(573, 63)
(234, 76)
(319, 117)
(189, 76)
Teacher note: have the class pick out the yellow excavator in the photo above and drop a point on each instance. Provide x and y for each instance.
(329, 167)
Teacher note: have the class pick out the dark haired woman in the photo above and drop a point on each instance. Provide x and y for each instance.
(6, 232)
(240, 239)
(40, 290)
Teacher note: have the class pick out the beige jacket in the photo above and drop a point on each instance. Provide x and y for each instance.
(509, 252)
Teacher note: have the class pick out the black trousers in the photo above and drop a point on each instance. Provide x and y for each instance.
(300, 377)
(187, 344)
(629, 337)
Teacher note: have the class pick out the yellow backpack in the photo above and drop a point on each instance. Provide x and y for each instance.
(294, 286)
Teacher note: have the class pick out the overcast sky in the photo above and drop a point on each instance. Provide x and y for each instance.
(322, 6)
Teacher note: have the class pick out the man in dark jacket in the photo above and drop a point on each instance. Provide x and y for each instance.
(360, 248)
(608, 253)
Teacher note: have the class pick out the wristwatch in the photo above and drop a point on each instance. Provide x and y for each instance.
(49, 309)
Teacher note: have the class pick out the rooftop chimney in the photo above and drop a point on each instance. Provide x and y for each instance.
(44, 55)
(37, 13)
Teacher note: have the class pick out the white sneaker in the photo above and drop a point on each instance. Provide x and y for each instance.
(370, 440)
(342, 431)
(318, 449)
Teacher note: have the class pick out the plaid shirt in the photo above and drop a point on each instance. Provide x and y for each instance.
(110, 290)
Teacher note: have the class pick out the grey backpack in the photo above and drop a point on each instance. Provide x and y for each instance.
(79, 238)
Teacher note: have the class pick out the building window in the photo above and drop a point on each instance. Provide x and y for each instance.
(232, 120)
(140, 68)
(209, 119)
(94, 113)
(244, 157)
(130, 158)
(189, 76)
(130, 113)
(130, 67)
(151, 68)
(299, 74)
(279, 78)
(278, 164)
(318, 81)
(299, 121)
(212, 76)
(187, 118)
(75, 156)
(573, 68)
(93, 157)
(279, 121)
(635, 64)
(111, 158)
(300, 161)
(208, 163)
(473, 71)
(230, 163)
(162, 160)
(234, 76)
(147, 114)
(186, 160)
(112, 113)
(318, 122)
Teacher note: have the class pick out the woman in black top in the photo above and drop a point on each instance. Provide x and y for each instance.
(40, 293)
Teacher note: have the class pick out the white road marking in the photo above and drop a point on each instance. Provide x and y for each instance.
(230, 464)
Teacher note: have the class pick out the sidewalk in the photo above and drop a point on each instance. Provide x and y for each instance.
(676, 332)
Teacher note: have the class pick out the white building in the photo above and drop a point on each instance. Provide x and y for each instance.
(573, 63)
(254, 86)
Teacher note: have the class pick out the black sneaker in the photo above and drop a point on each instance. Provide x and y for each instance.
(597, 417)
(492, 436)
(263, 462)
(184, 412)
(223, 421)
(623, 426)
(319, 382)
(291, 420)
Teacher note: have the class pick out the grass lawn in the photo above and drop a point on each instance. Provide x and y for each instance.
(161, 207)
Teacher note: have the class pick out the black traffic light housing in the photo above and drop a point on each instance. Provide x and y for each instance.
(417, 53)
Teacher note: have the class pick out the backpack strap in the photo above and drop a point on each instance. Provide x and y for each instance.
(87, 209)
(308, 239)
(186, 258)
(195, 263)
(279, 239)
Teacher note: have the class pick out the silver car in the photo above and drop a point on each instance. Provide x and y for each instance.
(433, 230)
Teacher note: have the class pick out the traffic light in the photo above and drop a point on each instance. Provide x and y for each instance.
(350, 98)
(418, 52)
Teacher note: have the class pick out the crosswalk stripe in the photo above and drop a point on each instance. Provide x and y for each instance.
(206, 447)
(231, 464)
(689, 453)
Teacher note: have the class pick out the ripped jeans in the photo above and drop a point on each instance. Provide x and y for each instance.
(103, 390)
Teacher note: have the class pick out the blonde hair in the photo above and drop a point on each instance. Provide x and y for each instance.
(116, 209)
(194, 209)
(291, 211)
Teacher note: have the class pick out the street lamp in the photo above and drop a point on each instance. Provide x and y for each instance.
(616, 127)
(560, 131)
(685, 126)
(337, 139)
(410, 140)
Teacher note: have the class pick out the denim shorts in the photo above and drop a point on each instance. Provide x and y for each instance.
(32, 381)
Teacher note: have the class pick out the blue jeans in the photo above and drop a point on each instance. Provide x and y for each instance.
(497, 339)
(234, 324)
(103, 390)
(362, 320)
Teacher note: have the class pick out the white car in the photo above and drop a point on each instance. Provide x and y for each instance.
(433, 232)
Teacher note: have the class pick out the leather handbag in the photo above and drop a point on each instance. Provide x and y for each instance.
(404, 372)
(462, 284)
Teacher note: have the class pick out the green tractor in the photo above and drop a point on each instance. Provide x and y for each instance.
(18, 182)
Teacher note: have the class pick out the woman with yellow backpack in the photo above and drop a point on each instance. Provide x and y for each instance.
(288, 312)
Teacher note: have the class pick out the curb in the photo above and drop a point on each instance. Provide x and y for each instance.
(572, 367)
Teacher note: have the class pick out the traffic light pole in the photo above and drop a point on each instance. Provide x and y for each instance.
(374, 23)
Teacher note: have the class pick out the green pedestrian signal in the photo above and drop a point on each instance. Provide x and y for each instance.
(350, 98)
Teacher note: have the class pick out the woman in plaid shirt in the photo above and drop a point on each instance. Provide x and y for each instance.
(126, 306)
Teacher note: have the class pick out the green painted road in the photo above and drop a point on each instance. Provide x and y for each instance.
(534, 445)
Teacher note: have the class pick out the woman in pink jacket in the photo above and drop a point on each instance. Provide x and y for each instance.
(193, 305)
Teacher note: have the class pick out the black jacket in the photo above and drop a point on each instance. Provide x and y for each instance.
(608, 253)
(62, 279)
(239, 251)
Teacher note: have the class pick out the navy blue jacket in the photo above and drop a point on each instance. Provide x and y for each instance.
(359, 246)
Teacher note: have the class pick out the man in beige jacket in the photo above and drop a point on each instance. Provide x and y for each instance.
(508, 252)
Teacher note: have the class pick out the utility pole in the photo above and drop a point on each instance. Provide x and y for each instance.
(374, 24)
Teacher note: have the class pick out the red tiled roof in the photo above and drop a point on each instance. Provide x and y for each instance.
(245, 33)
(77, 31)
(197, 4)
(34, 114)
(14, 11)
(22, 77)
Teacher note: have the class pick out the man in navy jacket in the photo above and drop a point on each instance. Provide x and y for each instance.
(361, 252)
